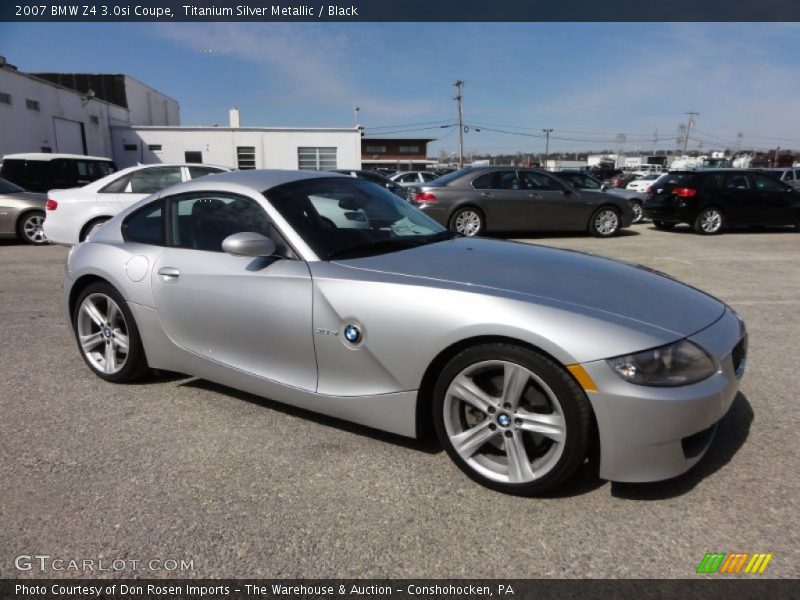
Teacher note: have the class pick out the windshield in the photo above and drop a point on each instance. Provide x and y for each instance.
(6, 187)
(342, 217)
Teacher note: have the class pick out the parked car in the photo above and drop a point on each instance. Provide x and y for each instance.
(604, 173)
(376, 177)
(413, 178)
(21, 214)
(790, 176)
(40, 172)
(475, 200)
(622, 180)
(73, 214)
(711, 200)
(583, 181)
(519, 357)
(643, 182)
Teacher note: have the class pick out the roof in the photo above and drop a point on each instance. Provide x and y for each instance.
(51, 156)
(397, 139)
(257, 180)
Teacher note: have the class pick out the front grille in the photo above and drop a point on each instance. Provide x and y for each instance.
(695, 444)
(739, 356)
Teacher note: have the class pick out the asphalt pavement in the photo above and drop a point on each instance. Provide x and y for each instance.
(181, 469)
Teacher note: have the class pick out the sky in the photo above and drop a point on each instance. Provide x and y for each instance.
(588, 82)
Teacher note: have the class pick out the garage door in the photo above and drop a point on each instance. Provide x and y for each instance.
(69, 136)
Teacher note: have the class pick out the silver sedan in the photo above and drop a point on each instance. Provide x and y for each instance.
(517, 356)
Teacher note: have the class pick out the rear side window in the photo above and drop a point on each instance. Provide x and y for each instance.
(13, 168)
(146, 225)
(197, 172)
(496, 180)
(149, 181)
(538, 181)
(679, 180)
(117, 186)
(737, 181)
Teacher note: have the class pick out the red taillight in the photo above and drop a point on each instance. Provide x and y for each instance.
(684, 192)
(424, 197)
(51, 204)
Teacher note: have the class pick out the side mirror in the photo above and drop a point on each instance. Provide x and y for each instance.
(248, 244)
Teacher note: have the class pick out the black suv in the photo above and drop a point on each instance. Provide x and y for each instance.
(40, 172)
(712, 199)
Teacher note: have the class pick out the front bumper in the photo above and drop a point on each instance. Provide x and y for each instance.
(654, 433)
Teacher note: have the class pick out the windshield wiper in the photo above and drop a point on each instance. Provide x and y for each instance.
(375, 246)
(440, 237)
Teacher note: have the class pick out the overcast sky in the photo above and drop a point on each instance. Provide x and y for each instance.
(588, 82)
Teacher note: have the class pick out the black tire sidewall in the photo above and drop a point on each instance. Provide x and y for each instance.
(477, 211)
(574, 405)
(136, 363)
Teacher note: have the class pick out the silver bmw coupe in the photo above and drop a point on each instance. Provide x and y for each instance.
(332, 294)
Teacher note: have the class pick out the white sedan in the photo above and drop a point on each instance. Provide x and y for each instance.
(73, 213)
(642, 183)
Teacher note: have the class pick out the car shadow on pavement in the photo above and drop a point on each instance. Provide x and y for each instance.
(428, 446)
(541, 235)
(732, 433)
(687, 229)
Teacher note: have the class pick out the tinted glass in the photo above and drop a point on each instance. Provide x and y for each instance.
(765, 183)
(6, 187)
(538, 181)
(373, 177)
(497, 180)
(736, 181)
(428, 176)
(196, 172)
(117, 186)
(13, 168)
(145, 226)
(203, 221)
(445, 179)
(39, 170)
(149, 181)
(678, 180)
(333, 215)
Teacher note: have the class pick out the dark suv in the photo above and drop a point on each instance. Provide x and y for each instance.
(710, 200)
(40, 172)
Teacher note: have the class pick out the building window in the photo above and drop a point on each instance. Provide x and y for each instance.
(47, 150)
(193, 156)
(130, 147)
(409, 149)
(95, 120)
(32, 104)
(377, 149)
(5, 98)
(154, 147)
(316, 159)
(246, 157)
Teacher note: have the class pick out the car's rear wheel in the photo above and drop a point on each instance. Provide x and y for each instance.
(30, 228)
(709, 222)
(638, 211)
(467, 221)
(605, 222)
(512, 419)
(107, 335)
(91, 226)
(663, 225)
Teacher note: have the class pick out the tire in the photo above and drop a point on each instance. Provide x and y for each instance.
(467, 398)
(29, 228)
(102, 347)
(468, 221)
(605, 222)
(663, 225)
(638, 211)
(91, 226)
(710, 221)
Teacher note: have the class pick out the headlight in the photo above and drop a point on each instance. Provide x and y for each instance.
(680, 363)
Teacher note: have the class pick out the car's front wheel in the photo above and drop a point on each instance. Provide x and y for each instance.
(107, 334)
(30, 228)
(605, 222)
(467, 221)
(709, 222)
(512, 419)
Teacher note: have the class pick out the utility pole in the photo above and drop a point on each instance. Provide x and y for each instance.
(458, 84)
(547, 133)
(689, 125)
(655, 142)
(356, 109)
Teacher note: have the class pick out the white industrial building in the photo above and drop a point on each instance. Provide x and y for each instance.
(315, 148)
(74, 112)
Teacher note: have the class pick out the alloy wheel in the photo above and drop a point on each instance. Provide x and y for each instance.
(468, 222)
(504, 421)
(103, 333)
(606, 222)
(711, 221)
(638, 212)
(33, 229)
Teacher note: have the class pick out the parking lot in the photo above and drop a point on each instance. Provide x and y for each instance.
(178, 468)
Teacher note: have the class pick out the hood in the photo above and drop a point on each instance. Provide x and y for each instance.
(552, 276)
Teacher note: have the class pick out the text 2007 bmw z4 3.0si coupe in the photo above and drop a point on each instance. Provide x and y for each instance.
(332, 294)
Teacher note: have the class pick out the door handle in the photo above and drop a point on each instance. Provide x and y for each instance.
(534, 195)
(486, 194)
(169, 274)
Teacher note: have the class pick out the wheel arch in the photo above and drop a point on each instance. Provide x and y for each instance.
(90, 223)
(81, 284)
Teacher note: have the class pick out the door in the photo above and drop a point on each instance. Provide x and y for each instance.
(776, 200)
(69, 136)
(148, 181)
(252, 314)
(551, 206)
(505, 204)
(739, 202)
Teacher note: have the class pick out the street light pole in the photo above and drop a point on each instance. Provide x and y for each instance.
(547, 133)
(458, 85)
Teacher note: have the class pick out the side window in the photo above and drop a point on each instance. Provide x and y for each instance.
(149, 181)
(409, 178)
(428, 176)
(497, 180)
(117, 186)
(146, 225)
(714, 182)
(765, 183)
(201, 221)
(736, 181)
(538, 181)
(197, 172)
(484, 182)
